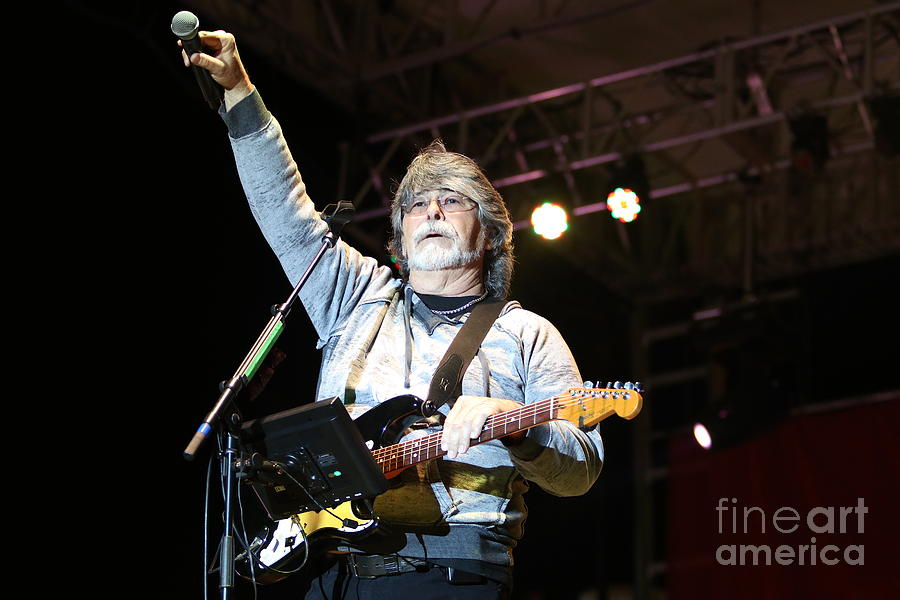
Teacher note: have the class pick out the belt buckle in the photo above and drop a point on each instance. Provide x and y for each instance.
(374, 565)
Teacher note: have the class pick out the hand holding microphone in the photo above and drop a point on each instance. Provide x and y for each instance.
(214, 58)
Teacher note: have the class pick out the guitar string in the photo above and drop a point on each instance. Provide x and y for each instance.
(400, 455)
(432, 440)
(424, 444)
(494, 422)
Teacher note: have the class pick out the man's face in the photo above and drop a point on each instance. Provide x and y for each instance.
(440, 237)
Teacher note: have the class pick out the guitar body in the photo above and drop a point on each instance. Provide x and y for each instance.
(282, 546)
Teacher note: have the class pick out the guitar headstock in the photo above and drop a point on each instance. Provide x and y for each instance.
(589, 405)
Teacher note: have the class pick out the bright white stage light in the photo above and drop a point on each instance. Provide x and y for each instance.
(701, 434)
(624, 204)
(549, 220)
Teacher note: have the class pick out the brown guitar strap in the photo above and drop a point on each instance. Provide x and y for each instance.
(446, 384)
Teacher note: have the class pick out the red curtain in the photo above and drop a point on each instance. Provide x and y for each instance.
(816, 463)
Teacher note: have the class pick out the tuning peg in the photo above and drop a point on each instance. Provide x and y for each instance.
(638, 386)
(629, 385)
(588, 384)
(617, 385)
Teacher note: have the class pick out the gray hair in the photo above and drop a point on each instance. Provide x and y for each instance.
(436, 168)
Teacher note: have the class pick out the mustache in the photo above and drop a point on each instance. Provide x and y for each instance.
(433, 227)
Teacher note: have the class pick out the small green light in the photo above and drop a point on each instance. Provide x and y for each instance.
(337, 473)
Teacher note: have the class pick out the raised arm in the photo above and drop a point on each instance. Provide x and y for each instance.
(278, 199)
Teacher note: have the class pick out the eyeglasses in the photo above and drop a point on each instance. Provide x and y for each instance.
(448, 204)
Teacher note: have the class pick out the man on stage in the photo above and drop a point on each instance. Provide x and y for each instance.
(383, 336)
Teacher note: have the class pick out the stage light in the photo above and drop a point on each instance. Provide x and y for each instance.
(624, 204)
(549, 220)
(754, 369)
(723, 427)
(701, 434)
(628, 187)
(738, 420)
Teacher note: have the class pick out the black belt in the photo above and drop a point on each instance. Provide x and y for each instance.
(370, 566)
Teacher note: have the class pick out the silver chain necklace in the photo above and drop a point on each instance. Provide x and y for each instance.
(461, 308)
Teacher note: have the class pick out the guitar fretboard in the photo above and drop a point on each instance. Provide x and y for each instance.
(405, 454)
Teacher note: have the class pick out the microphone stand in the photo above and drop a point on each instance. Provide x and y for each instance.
(226, 414)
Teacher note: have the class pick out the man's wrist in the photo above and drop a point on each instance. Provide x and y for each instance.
(238, 93)
(247, 116)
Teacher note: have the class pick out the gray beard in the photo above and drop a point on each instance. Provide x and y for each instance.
(434, 258)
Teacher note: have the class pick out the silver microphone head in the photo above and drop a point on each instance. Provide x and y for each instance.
(185, 24)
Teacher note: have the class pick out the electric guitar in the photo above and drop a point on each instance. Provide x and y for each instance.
(280, 547)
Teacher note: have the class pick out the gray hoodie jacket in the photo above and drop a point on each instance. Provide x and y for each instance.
(379, 341)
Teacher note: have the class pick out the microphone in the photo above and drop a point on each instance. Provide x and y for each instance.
(185, 25)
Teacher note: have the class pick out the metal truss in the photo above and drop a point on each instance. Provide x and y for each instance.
(703, 122)
(729, 95)
(382, 62)
(711, 119)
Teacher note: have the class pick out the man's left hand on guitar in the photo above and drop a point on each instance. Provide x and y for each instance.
(466, 420)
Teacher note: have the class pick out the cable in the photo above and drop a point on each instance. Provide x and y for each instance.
(254, 558)
(279, 571)
(242, 537)
(239, 533)
(345, 522)
(300, 527)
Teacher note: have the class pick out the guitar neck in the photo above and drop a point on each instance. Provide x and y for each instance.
(397, 457)
(427, 447)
